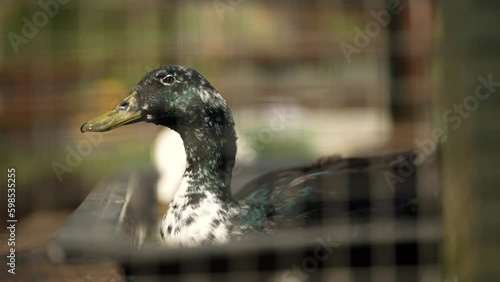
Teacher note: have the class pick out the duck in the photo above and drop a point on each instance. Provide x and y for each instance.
(170, 169)
(203, 209)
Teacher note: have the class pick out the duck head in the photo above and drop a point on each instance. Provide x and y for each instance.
(182, 99)
(173, 96)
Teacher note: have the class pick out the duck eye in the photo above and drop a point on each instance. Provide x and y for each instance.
(124, 105)
(167, 80)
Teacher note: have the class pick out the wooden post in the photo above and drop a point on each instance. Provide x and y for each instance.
(469, 107)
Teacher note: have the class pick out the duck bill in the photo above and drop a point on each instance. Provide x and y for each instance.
(116, 117)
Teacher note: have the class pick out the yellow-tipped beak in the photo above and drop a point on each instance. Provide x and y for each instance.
(126, 112)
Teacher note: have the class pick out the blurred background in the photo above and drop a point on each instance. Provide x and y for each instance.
(303, 79)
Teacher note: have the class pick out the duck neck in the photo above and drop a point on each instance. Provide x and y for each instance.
(210, 144)
(203, 206)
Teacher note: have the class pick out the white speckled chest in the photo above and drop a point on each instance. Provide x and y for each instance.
(193, 219)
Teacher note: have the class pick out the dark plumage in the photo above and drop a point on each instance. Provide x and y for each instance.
(203, 209)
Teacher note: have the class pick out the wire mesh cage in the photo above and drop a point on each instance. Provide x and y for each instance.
(366, 241)
(303, 80)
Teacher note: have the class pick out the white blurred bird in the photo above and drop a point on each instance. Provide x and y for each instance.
(169, 157)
